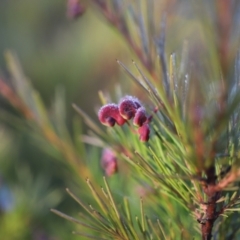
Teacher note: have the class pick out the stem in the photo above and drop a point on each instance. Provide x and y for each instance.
(210, 212)
(119, 23)
(209, 185)
(224, 29)
(161, 52)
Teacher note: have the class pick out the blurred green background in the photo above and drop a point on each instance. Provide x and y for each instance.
(55, 52)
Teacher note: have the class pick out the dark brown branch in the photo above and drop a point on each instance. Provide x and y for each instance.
(212, 197)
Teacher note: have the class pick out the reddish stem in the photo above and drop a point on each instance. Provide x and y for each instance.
(119, 23)
(224, 27)
(212, 197)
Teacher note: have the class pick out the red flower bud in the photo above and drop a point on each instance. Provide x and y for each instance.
(109, 162)
(128, 106)
(140, 117)
(144, 132)
(109, 115)
(74, 9)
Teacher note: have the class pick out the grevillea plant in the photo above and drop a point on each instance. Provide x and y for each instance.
(191, 157)
(177, 139)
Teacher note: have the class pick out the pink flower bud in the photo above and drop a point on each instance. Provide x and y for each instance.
(128, 106)
(109, 162)
(144, 132)
(144, 190)
(109, 115)
(140, 117)
(74, 9)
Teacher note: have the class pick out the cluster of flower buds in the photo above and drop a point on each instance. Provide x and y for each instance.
(128, 108)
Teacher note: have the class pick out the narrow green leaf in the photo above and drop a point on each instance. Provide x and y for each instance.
(161, 229)
(88, 120)
(149, 84)
(89, 236)
(139, 225)
(132, 76)
(142, 215)
(233, 196)
(118, 220)
(111, 198)
(98, 199)
(102, 98)
(127, 210)
(154, 230)
(92, 213)
(75, 220)
(232, 210)
(79, 201)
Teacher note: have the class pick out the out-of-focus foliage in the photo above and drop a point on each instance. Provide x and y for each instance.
(55, 50)
(64, 62)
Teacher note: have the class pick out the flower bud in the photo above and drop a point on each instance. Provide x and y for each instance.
(128, 107)
(74, 9)
(140, 117)
(144, 132)
(109, 162)
(109, 115)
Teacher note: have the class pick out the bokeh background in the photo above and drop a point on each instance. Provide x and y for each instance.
(55, 52)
